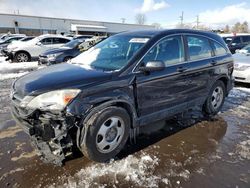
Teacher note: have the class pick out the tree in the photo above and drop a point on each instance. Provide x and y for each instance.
(140, 19)
(244, 27)
(157, 25)
(236, 27)
(226, 29)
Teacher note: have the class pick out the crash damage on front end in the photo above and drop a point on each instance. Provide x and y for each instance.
(52, 132)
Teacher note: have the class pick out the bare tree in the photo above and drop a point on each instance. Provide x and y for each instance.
(236, 27)
(244, 27)
(157, 25)
(226, 29)
(140, 19)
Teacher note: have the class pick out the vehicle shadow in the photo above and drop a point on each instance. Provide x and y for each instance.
(191, 124)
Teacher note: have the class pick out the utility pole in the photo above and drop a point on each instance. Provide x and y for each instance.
(197, 21)
(182, 18)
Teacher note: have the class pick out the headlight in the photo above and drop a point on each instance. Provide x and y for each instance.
(241, 68)
(54, 100)
(53, 56)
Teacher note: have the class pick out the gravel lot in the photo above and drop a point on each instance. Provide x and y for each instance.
(214, 153)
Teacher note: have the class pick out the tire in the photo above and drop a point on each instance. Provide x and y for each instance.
(66, 59)
(22, 57)
(103, 141)
(215, 99)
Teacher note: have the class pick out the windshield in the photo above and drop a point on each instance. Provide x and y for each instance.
(228, 40)
(73, 43)
(111, 54)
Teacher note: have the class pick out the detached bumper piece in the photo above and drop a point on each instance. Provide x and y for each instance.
(49, 135)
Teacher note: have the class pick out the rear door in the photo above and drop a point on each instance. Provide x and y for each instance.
(46, 44)
(200, 61)
(160, 91)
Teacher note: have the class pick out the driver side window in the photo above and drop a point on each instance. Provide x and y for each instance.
(46, 41)
(170, 51)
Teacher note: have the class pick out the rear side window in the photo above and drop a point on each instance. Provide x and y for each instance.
(236, 40)
(218, 49)
(199, 47)
(169, 50)
(246, 39)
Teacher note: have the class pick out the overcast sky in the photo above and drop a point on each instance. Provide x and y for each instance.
(165, 12)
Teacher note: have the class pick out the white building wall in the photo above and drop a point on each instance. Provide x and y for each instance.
(60, 24)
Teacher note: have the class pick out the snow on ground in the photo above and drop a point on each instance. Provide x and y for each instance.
(137, 170)
(14, 70)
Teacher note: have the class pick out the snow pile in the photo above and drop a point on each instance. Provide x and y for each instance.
(131, 170)
(243, 149)
(14, 70)
(7, 67)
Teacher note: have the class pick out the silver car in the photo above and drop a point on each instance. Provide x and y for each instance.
(242, 65)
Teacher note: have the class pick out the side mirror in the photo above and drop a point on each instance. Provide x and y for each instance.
(152, 66)
(39, 44)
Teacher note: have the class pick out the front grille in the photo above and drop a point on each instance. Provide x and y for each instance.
(240, 78)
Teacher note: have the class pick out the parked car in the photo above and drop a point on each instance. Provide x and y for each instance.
(241, 71)
(8, 35)
(105, 95)
(68, 51)
(30, 50)
(236, 41)
(13, 43)
(7, 41)
(62, 54)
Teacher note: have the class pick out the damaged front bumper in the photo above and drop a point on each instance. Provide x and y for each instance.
(53, 136)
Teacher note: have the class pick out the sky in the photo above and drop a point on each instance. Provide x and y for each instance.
(212, 13)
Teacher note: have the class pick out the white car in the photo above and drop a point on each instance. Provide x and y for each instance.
(242, 67)
(30, 50)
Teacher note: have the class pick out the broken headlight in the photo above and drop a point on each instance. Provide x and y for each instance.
(53, 100)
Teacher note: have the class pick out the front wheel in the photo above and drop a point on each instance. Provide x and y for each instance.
(215, 99)
(106, 134)
(22, 57)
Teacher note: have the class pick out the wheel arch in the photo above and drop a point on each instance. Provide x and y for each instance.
(23, 51)
(101, 106)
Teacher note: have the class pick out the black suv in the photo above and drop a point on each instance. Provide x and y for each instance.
(106, 94)
(236, 42)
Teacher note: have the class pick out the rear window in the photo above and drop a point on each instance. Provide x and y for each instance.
(218, 49)
(199, 47)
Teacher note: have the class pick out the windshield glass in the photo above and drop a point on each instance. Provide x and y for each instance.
(73, 43)
(111, 54)
(228, 40)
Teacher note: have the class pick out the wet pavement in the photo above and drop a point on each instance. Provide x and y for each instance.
(209, 153)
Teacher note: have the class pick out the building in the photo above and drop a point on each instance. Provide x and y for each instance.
(36, 25)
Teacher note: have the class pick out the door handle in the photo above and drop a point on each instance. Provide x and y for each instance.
(181, 69)
(213, 62)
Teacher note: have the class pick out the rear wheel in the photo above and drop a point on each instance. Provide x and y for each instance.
(215, 99)
(106, 134)
(22, 57)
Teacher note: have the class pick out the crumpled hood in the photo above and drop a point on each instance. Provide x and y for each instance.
(59, 76)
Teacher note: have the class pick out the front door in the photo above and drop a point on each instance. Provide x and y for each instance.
(161, 90)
